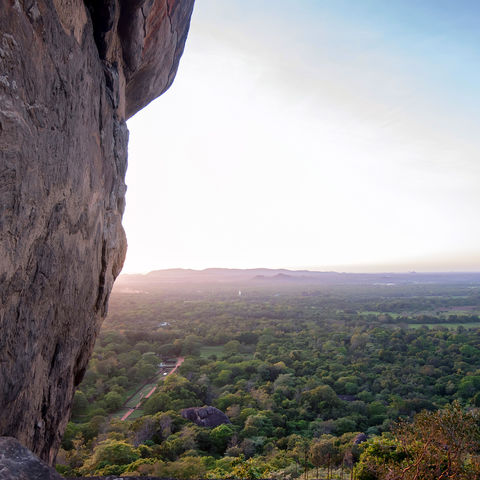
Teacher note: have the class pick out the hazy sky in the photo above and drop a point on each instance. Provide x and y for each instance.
(313, 134)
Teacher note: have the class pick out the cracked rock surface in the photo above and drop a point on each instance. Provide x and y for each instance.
(71, 73)
(19, 463)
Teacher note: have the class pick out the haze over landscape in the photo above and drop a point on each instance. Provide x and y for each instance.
(322, 135)
(301, 297)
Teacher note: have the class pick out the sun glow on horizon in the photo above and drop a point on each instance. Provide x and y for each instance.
(284, 144)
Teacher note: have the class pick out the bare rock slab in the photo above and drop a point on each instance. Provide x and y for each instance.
(19, 463)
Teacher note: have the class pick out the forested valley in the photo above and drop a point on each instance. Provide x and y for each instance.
(315, 381)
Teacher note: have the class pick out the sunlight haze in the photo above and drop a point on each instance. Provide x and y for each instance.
(313, 134)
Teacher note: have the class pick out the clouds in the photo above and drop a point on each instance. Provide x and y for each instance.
(303, 136)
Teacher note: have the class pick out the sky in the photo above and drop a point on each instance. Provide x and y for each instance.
(321, 134)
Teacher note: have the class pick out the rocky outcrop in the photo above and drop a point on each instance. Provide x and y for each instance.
(205, 416)
(360, 438)
(19, 463)
(71, 73)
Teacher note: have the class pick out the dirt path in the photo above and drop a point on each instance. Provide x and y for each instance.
(127, 414)
(180, 360)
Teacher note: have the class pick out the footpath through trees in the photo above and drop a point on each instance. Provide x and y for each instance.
(137, 398)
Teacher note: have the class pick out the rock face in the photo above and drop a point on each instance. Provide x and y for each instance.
(205, 416)
(71, 73)
(19, 463)
(360, 438)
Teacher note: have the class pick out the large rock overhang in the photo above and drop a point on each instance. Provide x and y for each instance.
(71, 73)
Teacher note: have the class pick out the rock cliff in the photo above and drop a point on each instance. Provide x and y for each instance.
(71, 73)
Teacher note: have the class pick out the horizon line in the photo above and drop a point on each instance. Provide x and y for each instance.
(358, 272)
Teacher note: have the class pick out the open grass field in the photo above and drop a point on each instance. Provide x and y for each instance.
(446, 325)
(136, 414)
(120, 413)
(368, 312)
(460, 311)
(205, 352)
(132, 403)
(141, 395)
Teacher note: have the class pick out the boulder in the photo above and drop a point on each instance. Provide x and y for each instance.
(205, 416)
(19, 463)
(360, 438)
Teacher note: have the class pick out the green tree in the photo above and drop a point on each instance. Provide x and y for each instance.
(469, 386)
(220, 436)
(437, 445)
(323, 453)
(80, 404)
(113, 401)
(110, 453)
(159, 402)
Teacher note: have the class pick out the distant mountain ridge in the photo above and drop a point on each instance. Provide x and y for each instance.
(266, 275)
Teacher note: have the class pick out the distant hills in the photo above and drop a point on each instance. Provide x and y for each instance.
(262, 276)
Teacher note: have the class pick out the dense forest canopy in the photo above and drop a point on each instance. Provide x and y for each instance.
(305, 374)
